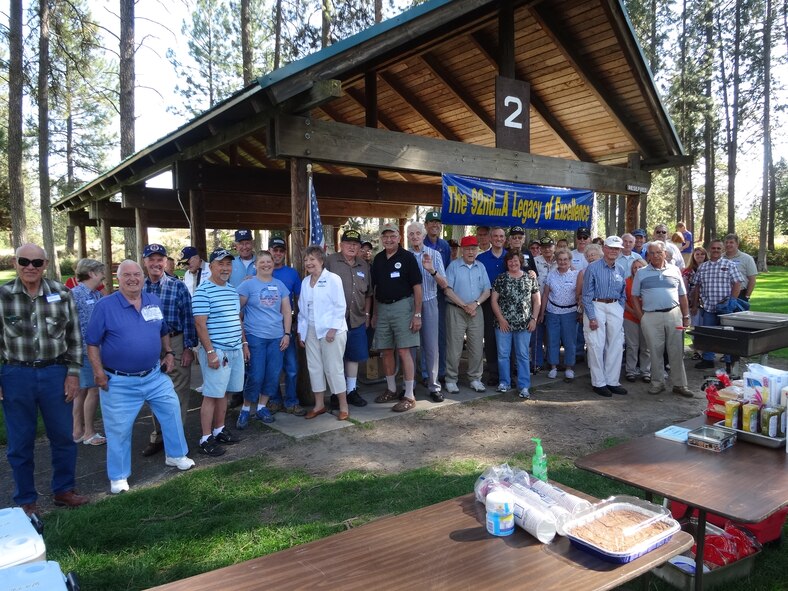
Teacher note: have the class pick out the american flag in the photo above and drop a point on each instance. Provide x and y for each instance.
(315, 225)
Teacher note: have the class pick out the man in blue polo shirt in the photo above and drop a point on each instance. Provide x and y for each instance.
(244, 263)
(492, 260)
(124, 336)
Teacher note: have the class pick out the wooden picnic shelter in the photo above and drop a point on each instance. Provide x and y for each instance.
(550, 92)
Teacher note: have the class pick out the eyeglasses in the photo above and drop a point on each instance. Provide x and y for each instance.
(660, 231)
(37, 263)
(583, 237)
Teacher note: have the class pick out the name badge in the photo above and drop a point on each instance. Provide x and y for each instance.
(273, 288)
(90, 301)
(53, 297)
(360, 273)
(151, 313)
(394, 274)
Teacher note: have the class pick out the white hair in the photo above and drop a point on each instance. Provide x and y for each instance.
(416, 226)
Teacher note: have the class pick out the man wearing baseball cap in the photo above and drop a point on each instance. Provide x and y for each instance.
(357, 284)
(289, 276)
(396, 280)
(244, 263)
(582, 239)
(176, 306)
(640, 241)
(433, 240)
(197, 270)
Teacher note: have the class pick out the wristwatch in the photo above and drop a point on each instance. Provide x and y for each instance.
(478, 303)
(417, 315)
(433, 273)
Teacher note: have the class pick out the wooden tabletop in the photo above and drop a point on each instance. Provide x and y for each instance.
(444, 546)
(745, 482)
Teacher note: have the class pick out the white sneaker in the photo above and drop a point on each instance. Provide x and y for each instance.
(503, 387)
(477, 386)
(182, 463)
(451, 387)
(553, 373)
(570, 375)
(118, 486)
(524, 393)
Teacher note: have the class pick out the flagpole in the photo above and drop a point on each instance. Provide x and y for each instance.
(308, 233)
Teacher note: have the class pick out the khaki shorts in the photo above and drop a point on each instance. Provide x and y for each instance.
(392, 330)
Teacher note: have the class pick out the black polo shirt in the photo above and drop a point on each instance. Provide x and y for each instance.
(393, 278)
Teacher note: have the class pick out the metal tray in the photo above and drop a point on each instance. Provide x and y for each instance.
(757, 320)
(756, 438)
(743, 342)
(637, 550)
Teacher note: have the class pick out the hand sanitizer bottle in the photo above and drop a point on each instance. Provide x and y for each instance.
(539, 461)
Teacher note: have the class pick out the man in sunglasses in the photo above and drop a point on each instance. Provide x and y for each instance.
(661, 234)
(42, 353)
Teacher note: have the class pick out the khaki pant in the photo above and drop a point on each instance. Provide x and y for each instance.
(660, 331)
(459, 324)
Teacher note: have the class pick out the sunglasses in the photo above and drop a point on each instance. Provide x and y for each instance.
(37, 263)
(661, 232)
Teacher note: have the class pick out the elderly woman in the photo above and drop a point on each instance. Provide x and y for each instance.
(515, 305)
(690, 273)
(559, 313)
(89, 275)
(265, 313)
(322, 330)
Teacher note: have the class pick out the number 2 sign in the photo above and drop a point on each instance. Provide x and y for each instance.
(512, 114)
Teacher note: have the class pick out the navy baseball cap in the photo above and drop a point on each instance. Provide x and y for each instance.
(154, 249)
(546, 241)
(188, 252)
(243, 235)
(277, 241)
(583, 231)
(367, 243)
(639, 232)
(516, 230)
(220, 254)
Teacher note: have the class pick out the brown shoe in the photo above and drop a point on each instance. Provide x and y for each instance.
(683, 391)
(153, 449)
(404, 404)
(70, 499)
(343, 416)
(29, 508)
(296, 410)
(387, 396)
(274, 407)
(314, 413)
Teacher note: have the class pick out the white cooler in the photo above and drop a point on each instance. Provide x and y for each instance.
(20, 543)
(46, 576)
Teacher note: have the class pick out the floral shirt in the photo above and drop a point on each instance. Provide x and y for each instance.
(514, 299)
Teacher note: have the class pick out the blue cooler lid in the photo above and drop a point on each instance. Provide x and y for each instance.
(19, 541)
(36, 575)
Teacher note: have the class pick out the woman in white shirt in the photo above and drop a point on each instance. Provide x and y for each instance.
(322, 330)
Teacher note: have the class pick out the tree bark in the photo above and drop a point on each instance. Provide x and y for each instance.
(247, 51)
(16, 185)
(278, 34)
(44, 189)
(767, 136)
(709, 201)
(127, 109)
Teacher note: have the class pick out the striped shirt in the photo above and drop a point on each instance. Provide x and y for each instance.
(428, 285)
(659, 289)
(220, 303)
(601, 281)
(42, 328)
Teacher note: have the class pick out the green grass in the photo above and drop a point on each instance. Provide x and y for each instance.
(215, 517)
(769, 296)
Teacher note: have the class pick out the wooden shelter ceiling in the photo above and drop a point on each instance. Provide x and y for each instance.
(592, 100)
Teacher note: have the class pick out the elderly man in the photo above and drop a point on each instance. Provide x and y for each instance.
(468, 287)
(661, 234)
(223, 350)
(125, 335)
(433, 277)
(544, 263)
(603, 320)
(432, 223)
(492, 260)
(177, 307)
(716, 282)
(42, 352)
(628, 256)
(745, 262)
(197, 270)
(660, 301)
(244, 263)
(483, 236)
(289, 276)
(357, 284)
(582, 239)
(396, 280)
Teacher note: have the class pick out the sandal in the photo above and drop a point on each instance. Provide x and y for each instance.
(95, 439)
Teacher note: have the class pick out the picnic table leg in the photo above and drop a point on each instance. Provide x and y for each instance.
(700, 539)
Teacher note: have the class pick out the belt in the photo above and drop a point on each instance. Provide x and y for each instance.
(38, 363)
(393, 301)
(138, 374)
(606, 300)
(560, 306)
(663, 309)
(175, 333)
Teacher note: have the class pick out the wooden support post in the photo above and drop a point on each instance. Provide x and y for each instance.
(106, 253)
(633, 201)
(83, 241)
(299, 206)
(141, 226)
(506, 40)
(371, 109)
(336, 238)
(402, 222)
(197, 212)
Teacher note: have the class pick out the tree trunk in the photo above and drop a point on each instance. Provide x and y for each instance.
(16, 185)
(733, 146)
(278, 34)
(772, 202)
(378, 11)
(127, 111)
(622, 214)
(767, 136)
(44, 189)
(247, 51)
(327, 12)
(709, 201)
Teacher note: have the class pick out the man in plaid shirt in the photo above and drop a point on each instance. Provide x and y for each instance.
(42, 353)
(176, 304)
(717, 281)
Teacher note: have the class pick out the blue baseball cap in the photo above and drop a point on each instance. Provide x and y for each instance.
(243, 235)
(188, 252)
(220, 254)
(154, 249)
(639, 232)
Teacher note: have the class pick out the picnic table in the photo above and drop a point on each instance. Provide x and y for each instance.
(443, 546)
(744, 483)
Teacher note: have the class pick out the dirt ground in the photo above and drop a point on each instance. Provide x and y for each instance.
(571, 420)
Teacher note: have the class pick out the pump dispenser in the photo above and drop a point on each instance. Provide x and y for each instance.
(539, 461)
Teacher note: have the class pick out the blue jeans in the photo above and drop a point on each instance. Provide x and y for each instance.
(504, 340)
(119, 408)
(265, 365)
(537, 343)
(291, 375)
(561, 329)
(711, 319)
(25, 391)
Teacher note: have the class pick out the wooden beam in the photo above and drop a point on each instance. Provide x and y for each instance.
(141, 228)
(105, 229)
(299, 200)
(359, 146)
(506, 39)
(198, 222)
(83, 241)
